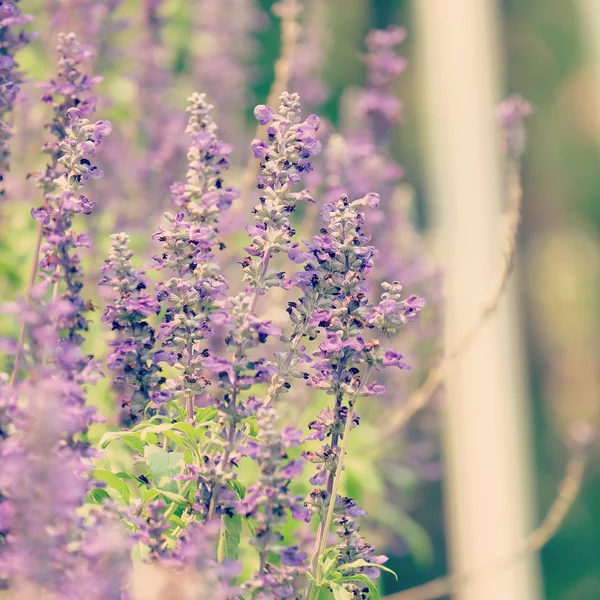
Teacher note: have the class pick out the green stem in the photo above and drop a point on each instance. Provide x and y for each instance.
(275, 389)
(313, 586)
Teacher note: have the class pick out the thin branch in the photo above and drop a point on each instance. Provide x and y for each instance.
(568, 491)
(313, 584)
(288, 11)
(422, 395)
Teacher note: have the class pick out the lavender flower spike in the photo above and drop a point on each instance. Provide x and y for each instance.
(270, 503)
(189, 240)
(227, 29)
(12, 39)
(44, 480)
(133, 359)
(286, 157)
(379, 103)
(341, 258)
(58, 262)
(71, 89)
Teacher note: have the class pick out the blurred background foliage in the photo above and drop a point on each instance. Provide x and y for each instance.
(548, 60)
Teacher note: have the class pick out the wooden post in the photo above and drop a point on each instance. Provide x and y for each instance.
(485, 429)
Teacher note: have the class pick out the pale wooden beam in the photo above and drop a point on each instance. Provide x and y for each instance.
(485, 427)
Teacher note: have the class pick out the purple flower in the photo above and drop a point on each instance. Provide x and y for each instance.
(219, 365)
(259, 148)
(375, 389)
(134, 362)
(333, 344)
(231, 28)
(102, 129)
(291, 436)
(263, 114)
(189, 240)
(320, 318)
(293, 469)
(164, 356)
(372, 200)
(13, 39)
(511, 114)
(292, 557)
(326, 211)
(319, 478)
(296, 255)
(268, 503)
(287, 160)
(393, 358)
(356, 344)
(385, 38)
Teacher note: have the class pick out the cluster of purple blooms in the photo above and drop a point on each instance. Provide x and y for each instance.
(49, 539)
(12, 38)
(198, 374)
(185, 358)
(132, 358)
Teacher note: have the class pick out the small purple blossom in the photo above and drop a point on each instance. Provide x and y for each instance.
(511, 114)
(263, 114)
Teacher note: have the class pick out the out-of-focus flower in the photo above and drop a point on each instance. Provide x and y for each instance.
(12, 39)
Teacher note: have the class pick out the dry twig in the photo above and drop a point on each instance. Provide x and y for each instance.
(568, 491)
(422, 395)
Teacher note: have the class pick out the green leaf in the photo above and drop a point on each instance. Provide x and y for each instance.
(238, 487)
(363, 563)
(339, 593)
(96, 496)
(155, 429)
(189, 446)
(186, 428)
(229, 538)
(204, 415)
(150, 438)
(131, 438)
(328, 561)
(173, 497)
(252, 426)
(123, 475)
(149, 495)
(155, 420)
(177, 521)
(177, 439)
(310, 577)
(113, 481)
(163, 467)
(134, 444)
(250, 527)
